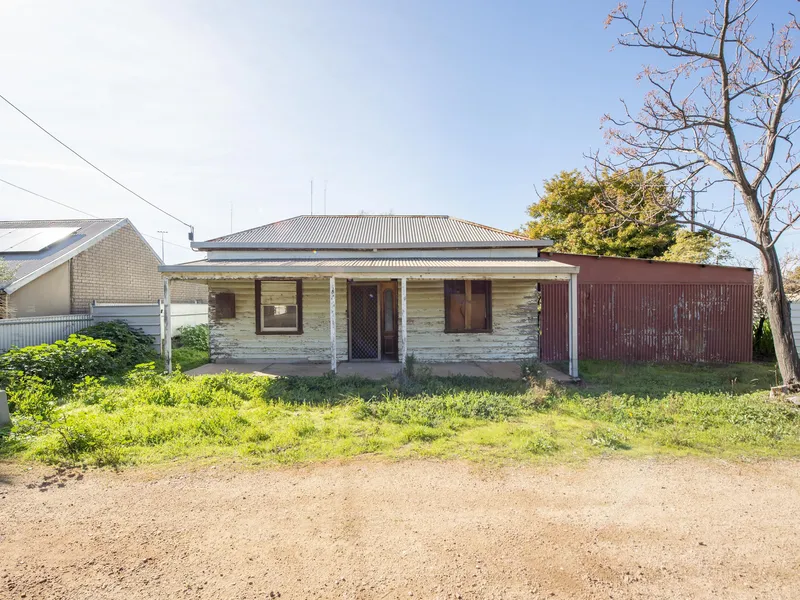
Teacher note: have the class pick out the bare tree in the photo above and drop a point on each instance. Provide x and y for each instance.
(6, 272)
(719, 114)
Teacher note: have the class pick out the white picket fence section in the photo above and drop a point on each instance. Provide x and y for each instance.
(31, 331)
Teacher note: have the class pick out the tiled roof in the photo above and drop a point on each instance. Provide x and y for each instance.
(369, 231)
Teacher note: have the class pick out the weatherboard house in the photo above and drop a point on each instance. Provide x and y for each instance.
(375, 288)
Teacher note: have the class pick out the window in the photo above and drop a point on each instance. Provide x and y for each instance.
(279, 306)
(467, 306)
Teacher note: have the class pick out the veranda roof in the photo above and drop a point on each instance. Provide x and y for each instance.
(390, 267)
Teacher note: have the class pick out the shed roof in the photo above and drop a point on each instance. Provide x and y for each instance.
(617, 269)
(28, 266)
(368, 232)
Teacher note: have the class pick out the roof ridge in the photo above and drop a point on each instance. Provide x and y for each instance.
(115, 219)
(489, 228)
(371, 217)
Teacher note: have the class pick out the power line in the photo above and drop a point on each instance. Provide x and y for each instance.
(95, 167)
(83, 212)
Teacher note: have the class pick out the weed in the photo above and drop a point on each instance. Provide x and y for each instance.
(541, 443)
(90, 390)
(608, 438)
(194, 337)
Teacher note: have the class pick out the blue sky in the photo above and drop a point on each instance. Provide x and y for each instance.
(439, 107)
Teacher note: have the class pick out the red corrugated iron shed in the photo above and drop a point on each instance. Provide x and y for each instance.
(645, 310)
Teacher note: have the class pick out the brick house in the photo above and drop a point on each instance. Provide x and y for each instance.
(60, 267)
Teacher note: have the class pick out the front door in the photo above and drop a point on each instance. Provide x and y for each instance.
(388, 297)
(364, 326)
(372, 319)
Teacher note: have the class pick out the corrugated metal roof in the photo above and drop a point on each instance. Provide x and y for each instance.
(29, 266)
(399, 265)
(367, 231)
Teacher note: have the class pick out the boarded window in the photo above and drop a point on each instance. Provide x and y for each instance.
(279, 306)
(467, 306)
(225, 304)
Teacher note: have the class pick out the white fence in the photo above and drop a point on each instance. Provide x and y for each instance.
(794, 307)
(31, 331)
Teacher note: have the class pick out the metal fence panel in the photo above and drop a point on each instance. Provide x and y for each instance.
(32, 331)
(683, 322)
(149, 318)
(146, 317)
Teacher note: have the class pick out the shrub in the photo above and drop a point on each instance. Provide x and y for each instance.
(32, 397)
(763, 342)
(61, 363)
(194, 337)
(131, 346)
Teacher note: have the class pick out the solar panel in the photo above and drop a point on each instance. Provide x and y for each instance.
(32, 239)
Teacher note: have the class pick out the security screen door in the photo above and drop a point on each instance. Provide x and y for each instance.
(364, 330)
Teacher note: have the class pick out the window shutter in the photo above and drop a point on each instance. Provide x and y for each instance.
(225, 305)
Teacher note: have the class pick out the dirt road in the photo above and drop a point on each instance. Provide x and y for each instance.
(371, 529)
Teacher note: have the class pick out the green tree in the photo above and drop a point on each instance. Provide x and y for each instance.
(571, 214)
(702, 247)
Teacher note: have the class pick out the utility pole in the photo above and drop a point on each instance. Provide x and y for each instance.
(325, 198)
(312, 196)
(692, 211)
(162, 243)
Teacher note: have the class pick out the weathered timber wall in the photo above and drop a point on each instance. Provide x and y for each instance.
(235, 340)
(514, 324)
(514, 319)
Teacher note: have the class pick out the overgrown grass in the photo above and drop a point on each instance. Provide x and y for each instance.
(622, 410)
(188, 358)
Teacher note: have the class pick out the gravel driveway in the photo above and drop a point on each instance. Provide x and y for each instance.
(422, 529)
